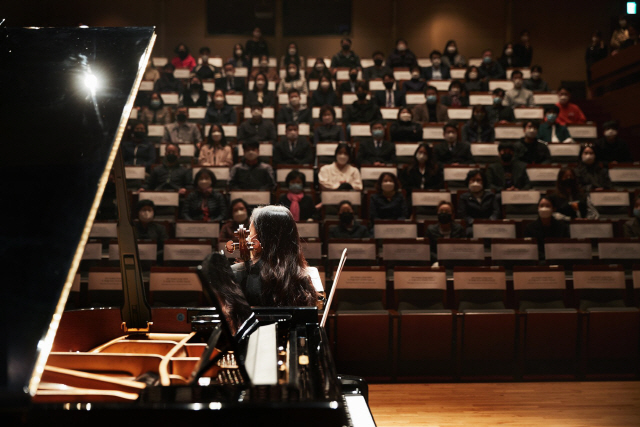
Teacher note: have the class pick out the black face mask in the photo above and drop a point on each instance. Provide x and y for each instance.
(506, 157)
(182, 54)
(346, 47)
(444, 218)
(569, 182)
(196, 87)
(361, 96)
(378, 62)
(346, 218)
(171, 158)
(182, 117)
(388, 85)
(139, 134)
(353, 77)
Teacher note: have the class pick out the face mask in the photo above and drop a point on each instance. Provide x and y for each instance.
(568, 182)
(295, 188)
(563, 99)
(454, 92)
(486, 59)
(264, 64)
(353, 77)
(294, 101)
(155, 104)
(402, 48)
(517, 83)
(475, 187)
(196, 87)
(531, 133)
(327, 119)
(218, 99)
(292, 72)
(377, 133)
(145, 216)
(171, 158)
(636, 213)
(320, 66)
(508, 52)
(388, 187)
(421, 157)
(551, 117)
(260, 84)
(377, 62)
(479, 117)
(450, 137)
(203, 184)
(229, 73)
(506, 157)
(325, 85)
(346, 218)
(588, 159)
(436, 62)
(388, 85)
(473, 75)
(610, 133)
(139, 134)
(251, 155)
(292, 135)
(405, 117)
(182, 117)
(346, 47)
(432, 99)
(544, 212)
(292, 52)
(451, 49)
(444, 218)
(342, 159)
(238, 52)
(256, 113)
(361, 96)
(182, 54)
(497, 100)
(240, 216)
(205, 58)
(535, 75)
(216, 136)
(415, 75)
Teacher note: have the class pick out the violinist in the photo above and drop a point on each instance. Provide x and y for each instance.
(276, 274)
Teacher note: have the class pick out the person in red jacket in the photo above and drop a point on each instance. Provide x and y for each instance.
(183, 58)
(570, 113)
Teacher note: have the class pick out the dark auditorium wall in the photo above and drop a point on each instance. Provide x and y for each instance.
(560, 30)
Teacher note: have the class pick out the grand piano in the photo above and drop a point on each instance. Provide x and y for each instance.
(67, 94)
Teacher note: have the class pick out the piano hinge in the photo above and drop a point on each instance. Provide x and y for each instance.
(135, 330)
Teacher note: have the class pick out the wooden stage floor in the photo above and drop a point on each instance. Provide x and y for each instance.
(567, 404)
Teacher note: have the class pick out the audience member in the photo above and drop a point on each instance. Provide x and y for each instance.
(167, 81)
(455, 97)
(620, 34)
(416, 84)
(405, 129)
(498, 112)
(377, 70)
(239, 59)
(478, 129)
(596, 51)
(205, 70)
(292, 149)
(151, 73)
(610, 148)
(340, 175)
(261, 93)
(508, 173)
(251, 173)
(170, 175)
(452, 151)
(204, 203)
(388, 201)
(230, 83)
(138, 150)
(328, 129)
(423, 173)
(346, 58)
(270, 73)
(536, 83)
(631, 228)
(294, 111)
(518, 96)
(490, 68)
(432, 111)
(183, 59)
(319, 70)
(570, 199)
(182, 131)
(445, 228)
(257, 128)
(389, 97)
(478, 202)
(590, 172)
(450, 56)
(156, 113)
(293, 80)
(550, 130)
(472, 80)
(508, 58)
(633, 36)
(530, 149)
(324, 95)
(349, 227)
(437, 70)
(522, 51)
(570, 113)
(292, 56)
(215, 152)
(146, 228)
(256, 46)
(219, 111)
(362, 110)
(300, 204)
(239, 215)
(546, 226)
(402, 56)
(195, 95)
(350, 85)
(377, 151)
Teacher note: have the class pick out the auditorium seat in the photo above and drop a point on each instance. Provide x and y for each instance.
(175, 287)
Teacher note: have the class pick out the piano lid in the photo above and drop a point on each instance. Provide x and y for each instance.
(66, 96)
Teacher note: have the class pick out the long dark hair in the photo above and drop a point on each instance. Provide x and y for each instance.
(431, 166)
(284, 279)
(572, 192)
(223, 140)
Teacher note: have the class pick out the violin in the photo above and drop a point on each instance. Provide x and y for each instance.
(242, 244)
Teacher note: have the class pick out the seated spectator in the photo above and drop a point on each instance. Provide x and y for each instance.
(388, 201)
(251, 173)
(423, 173)
(240, 59)
(508, 173)
(432, 111)
(170, 175)
(239, 215)
(362, 110)
(146, 228)
(182, 131)
(204, 70)
(261, 93)
(194, 96)
(508, 59)
(518, 96)
(349, 227)
(535, 83)
(478, 129)
(151, 72)
(450, 56)
(328, 130)
(546, 226)
(138, 150)
(405, 129)
(570, 199)
(530, 149)
(293, 80)
(452, 151)
(631, 228)
(183, 58)
(416, 84)
(490, 68)
(270, 73)
(376, 151)
(590, 172)
(324, 95)
(633, 36)
(478, 202)
(346, 58)
(445, 228)
(389, 97)
(256, 128)
(552, 131)
(610, 148)
(498, 112)
(522, 51)
(256, 45)
(167, 81)
(292, 56)
(219, 111)
(216, 151)
(319, 70)
(472, 80)
(204, 203)
(437, 70)
(294, 111)
(293, 149)
(230, 83)
(570, 113)
(156, 113)
(300, 204)
(455, 97)
(402, 56)
(340, 175)
(377, 70)
(620, 34)
(351, 85)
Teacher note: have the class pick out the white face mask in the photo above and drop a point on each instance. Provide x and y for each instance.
(388, 186)
(531, 133)
(610, 133)
(238, 52)
(436, 62)
(535, 75)
(415, 75)
(205, 58)
(325, 85)
(450, 137)
(588, 159)
(451, 49)
(264, 64)
(320, 67)
(203, 184)
(454, 92)
(295, 101)
(475, 187)
(251, 155)
(563, 99)
(260, 84)
(421, 157)
(405, 117)
(473, 75)
(256, 113)
(342, 159)
(216, 136)
(218, 99)
(229, 73)
(292, 51)
(292, 72)
(292, 135)
(508, 52)
(240, 216)
(402, 47)
(544, 212)
(145, 216)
